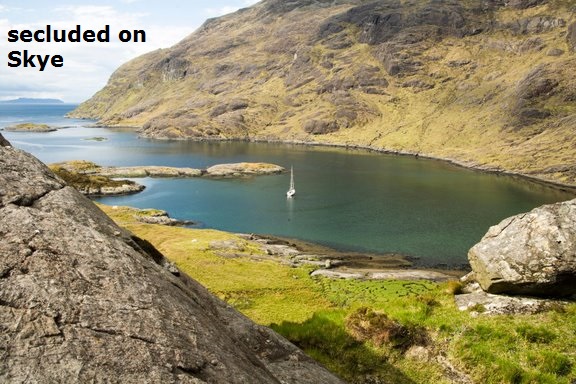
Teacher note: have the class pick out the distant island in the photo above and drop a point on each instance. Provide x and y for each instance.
(30, 127)
(31, 100)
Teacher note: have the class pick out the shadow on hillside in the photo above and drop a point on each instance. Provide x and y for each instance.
(322, 338)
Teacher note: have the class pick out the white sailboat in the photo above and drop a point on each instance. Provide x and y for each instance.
(292, 191)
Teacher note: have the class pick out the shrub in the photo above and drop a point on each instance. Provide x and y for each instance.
(454, 287)
(429, 302)
(367, 325)
(324, 338)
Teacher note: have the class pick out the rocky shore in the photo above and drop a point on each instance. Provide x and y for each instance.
(325, 261)
(96, 185)
(150, 216)
(471, 165)
(332, 263)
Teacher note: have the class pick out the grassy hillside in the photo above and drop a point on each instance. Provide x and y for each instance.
(488, 84)
(372, 331)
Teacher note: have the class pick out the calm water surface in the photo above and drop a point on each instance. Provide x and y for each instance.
(349, 199)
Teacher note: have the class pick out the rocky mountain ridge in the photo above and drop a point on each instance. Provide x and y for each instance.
(82, 300)
(487, 84)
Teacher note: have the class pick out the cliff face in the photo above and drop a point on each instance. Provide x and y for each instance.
(81, 301)
(487, 83)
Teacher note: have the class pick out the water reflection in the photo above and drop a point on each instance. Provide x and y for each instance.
(350, 199)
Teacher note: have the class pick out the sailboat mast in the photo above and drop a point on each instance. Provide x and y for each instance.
(291, 192)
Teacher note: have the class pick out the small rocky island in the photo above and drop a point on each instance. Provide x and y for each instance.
(30, 127)
(96, 185)
(94, 180)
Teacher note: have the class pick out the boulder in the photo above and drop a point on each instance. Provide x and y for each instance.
(531, 253)
(4, 142)
(83, 301)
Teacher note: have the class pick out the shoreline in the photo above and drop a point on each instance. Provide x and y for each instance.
(462, 164)
(335, 263)
(322, 260)
(459, 163)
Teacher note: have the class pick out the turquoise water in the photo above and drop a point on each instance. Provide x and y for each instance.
(349, 199)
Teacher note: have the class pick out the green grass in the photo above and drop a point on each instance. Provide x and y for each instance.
(349, 325)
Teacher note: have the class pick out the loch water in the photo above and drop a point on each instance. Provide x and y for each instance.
(349, 199)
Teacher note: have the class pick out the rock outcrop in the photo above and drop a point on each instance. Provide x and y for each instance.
(4, 142)
(96, 185)
(532, 253)
(243, 169)
(82, 300)
(491, 304)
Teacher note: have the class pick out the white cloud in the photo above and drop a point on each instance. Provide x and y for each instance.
(87, 66)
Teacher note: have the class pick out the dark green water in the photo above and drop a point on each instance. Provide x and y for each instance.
(349, 199)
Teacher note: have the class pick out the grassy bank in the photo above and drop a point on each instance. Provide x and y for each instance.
(371, 331)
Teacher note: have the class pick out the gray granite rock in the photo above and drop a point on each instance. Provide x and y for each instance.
(484, 303)
(532, 253)
(82, 300)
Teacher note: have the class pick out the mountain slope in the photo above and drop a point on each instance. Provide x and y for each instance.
(488, 84)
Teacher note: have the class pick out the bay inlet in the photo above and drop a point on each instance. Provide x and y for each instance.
(354, 200)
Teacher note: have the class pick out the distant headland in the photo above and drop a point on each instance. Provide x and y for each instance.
(32, 100)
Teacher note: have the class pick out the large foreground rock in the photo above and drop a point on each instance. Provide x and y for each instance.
(532, 253)
(83, 301)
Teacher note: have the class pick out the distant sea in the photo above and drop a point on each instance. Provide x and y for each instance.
(27, 100)
(352, 200)
(15, 113)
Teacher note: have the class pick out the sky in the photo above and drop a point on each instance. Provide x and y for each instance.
(87, 66)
